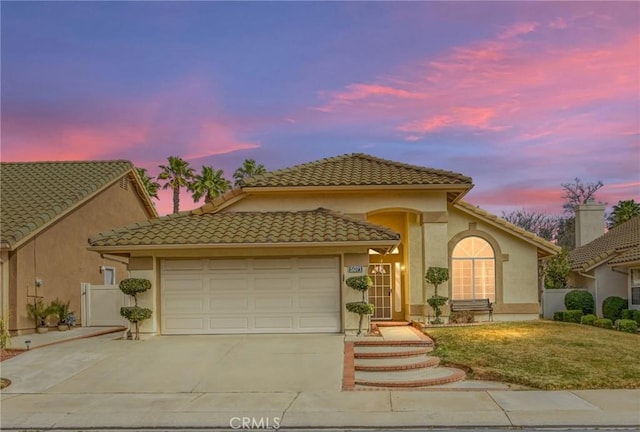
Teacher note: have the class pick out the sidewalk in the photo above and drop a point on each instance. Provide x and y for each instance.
(52, 337)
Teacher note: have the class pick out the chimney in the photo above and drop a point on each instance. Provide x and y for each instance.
(589, 222)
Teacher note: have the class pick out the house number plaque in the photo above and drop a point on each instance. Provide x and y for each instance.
(355, 269)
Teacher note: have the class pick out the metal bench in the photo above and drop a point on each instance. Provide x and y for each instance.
(473, 305)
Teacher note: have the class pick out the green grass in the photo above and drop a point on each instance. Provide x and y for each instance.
(542, 354)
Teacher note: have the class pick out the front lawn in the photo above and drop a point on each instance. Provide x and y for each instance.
(542, 354)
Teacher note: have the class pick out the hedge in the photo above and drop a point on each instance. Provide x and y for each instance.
(603, 323)
(572, 316)
(558, 316)
(582, 300)
(588, 319)
(612, 307)
(627, 325)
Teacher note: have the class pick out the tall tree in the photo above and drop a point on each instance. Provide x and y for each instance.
(209, 184)
(542, 225)
(623, 211)
(248, 169)
(177, 174)
(148, 182)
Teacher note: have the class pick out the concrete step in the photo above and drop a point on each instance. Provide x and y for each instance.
(409, 378)
(395, 363)
(385, 351)
(385, 342)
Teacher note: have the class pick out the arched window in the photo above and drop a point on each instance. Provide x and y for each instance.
(474, 270)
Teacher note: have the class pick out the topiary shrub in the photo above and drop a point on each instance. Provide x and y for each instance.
(135, 314)
(626, 314)
(462, 317)
(437, 276)
(636, 316)
(362, 308)
(588, 319)
(579, 299)
(612, 307)
(603, 323)
(572, 316)
(627, 326)
(558, 316)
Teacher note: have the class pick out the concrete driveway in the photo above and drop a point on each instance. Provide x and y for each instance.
(181, 364)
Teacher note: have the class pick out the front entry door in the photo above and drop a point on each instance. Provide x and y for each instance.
(380, 292)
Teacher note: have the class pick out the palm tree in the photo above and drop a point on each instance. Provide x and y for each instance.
(248, 169)
(149, 184)
(177, 174)
(623, 211)
(210, 184)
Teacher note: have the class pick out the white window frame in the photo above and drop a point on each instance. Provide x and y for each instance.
(109, 270)
(634, 283)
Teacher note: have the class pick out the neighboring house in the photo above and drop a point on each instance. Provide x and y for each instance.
(272, 255)
(48, 211)
(606, 264)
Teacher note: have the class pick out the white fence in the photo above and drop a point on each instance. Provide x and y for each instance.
(102, 305)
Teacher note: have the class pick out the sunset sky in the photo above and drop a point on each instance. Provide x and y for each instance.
(520, 96)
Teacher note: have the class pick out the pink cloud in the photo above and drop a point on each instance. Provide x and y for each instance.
(359, 92)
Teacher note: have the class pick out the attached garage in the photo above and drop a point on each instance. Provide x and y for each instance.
(250, 295)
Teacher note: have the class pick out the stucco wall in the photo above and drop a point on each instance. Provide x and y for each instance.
(517, 292)
(345, 202)
(609, 283)
(59, 255)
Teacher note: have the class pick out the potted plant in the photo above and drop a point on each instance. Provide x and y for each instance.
(135, 314)
(437, 276)
(39, 312)
(362, 308)
(61, 310)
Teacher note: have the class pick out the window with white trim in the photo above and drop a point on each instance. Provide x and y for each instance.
(109, 274)
(473, 270)
(635, 286)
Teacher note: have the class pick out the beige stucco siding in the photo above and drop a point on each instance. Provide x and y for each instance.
(58, 255)
(345, 202)
(517, 258)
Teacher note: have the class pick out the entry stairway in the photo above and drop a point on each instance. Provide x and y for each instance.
(400, 359)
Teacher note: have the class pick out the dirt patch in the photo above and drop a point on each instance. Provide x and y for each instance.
(7, 354)
(4, 383)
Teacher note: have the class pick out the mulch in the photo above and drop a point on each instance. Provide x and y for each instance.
(9, 353)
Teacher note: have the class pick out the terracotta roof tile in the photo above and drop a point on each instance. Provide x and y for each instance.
(621, 242)
(356, 169)
(310, 226)
(34, 193)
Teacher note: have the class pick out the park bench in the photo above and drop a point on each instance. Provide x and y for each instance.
(473, 305)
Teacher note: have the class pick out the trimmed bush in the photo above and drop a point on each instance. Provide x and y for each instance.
(612, 307)
(588, 319)
(636, 316)
(603, 323)
(626, 314)
(627, 326)
(361, 308)
(134, 286)
(135, 314)
(572, 316)
(558, 316)
(582, 300)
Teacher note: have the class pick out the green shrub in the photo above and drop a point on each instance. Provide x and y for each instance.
(572, 316)
(5, 336)
(612, 307)
(135, 314)
(134, 286)
(462, 317)
(437, 276)
(362, 309)
(558, 316)
(626, 314)
(588, 319)
(636, 316)
(557, 270)
(579, 299)
(603, 323)
(61, 310)
(436, 303)
(627, 325)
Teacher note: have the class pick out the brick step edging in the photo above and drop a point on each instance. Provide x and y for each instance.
(425, 343)
(431, 362)
(456, 375)
(392, 354)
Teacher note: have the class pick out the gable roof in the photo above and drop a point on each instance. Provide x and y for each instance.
(545, 248)
(356, 169)
(34, 194)
(320, 226)
(619, 245)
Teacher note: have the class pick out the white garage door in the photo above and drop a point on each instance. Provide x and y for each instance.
(256, 295)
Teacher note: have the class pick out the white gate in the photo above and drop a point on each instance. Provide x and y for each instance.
(102, 305)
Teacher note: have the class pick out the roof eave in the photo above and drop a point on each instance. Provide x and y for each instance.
(357, 188)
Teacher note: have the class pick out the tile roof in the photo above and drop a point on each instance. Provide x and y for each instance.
(356, 169)
(34, 193)
(542, 244)
(247, 228)
(621, 242)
